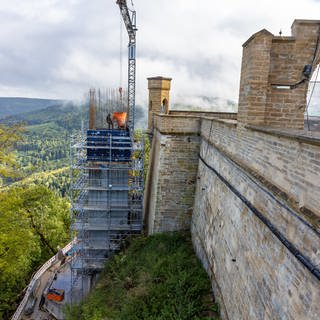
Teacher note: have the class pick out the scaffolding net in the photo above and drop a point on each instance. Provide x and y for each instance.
(106, 189)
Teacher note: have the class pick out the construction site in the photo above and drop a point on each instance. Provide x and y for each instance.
(244, 185)
(107, 185)
(107, 189)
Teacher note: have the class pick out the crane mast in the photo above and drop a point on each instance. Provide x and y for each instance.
(129, 19)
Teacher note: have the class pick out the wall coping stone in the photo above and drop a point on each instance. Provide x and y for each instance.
(231, 122)
(304, 21)
(310, 137)
(202, 111)
(228, 122)
(283, 39)
(159, 78)
(175, 115)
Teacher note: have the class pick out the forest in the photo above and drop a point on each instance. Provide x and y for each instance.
(34, 188)
(34, 202)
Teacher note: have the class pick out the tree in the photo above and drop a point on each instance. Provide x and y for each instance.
(9, 136)
(34, 221)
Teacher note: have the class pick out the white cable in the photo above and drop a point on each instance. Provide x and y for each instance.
(121, 49)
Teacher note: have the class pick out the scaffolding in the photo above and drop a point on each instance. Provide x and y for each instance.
(107, 196)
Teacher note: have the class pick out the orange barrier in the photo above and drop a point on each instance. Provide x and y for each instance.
(121, 118)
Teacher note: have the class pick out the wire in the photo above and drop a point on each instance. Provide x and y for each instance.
(317, 47)
(276, 232)
(311, 94)
(306, 78)
(120, 52)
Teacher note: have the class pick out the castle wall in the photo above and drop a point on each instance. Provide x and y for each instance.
(252, 198)
(248, 185)
(172, 174)
(256, 209)
(210, 114)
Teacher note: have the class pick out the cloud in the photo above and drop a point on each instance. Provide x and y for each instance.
(60, 48)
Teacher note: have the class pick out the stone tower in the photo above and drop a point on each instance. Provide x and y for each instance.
(275, 76)
(159, 97)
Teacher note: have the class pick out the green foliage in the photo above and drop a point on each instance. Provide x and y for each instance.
(157, 277)
(9, 135)
(45, 146)
(33, 222)
(57, 180)
(140, 135)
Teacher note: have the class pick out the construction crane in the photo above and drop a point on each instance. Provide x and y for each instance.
(129, 18)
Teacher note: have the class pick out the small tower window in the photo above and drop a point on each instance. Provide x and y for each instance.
(164, 106)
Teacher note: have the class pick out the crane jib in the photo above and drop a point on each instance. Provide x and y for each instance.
(130, 23)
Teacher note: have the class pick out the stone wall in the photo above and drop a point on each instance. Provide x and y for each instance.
(172, 174)
(248, 184)
(252, 196)
(273, 84)
(210, 114)
(256, 220)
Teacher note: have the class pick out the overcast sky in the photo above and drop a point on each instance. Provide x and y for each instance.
(60, 48)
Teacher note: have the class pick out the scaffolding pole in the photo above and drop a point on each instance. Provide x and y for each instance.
(107, 185)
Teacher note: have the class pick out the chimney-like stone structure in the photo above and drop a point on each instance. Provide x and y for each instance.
(274, 76)
(159, 97)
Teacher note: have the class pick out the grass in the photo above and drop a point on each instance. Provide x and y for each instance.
(155, 278)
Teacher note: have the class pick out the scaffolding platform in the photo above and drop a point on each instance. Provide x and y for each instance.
(107, 167)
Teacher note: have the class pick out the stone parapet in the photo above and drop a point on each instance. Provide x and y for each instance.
(219, 115)
(177, 124)
(256, 220)
(287, 160)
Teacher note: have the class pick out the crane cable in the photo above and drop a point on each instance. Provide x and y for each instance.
(121, 59)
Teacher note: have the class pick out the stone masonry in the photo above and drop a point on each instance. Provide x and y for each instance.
(253, 273)
(248, 184)
(172, 173)
(159, 97)
(273, 87)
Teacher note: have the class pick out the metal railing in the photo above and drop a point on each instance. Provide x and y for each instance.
(36, 276)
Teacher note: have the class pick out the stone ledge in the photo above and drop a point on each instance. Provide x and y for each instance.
(228, 122)
(164, 115)
(177, 111)
(177, 133)
(310, 137)
(305, 21)
(283, 39)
